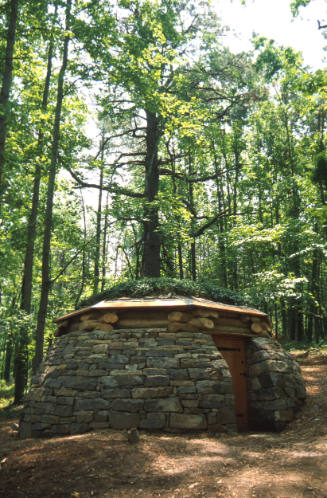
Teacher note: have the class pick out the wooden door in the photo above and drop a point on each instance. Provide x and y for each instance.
(233, 351)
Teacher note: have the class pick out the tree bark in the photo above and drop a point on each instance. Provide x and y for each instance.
(151, 238)
(21, 353)
(98, 231)
(220, 222)
(8, 353)
(6, 86)
(83, 277)
(104, 245)
(193, 268)
(46, 283)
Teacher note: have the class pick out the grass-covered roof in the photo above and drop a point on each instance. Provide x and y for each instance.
(166, 287)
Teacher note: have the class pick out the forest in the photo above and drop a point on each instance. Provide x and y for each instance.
(135, 145)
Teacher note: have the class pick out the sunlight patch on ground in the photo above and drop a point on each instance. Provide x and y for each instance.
(266, 481)
(190, 464)
(307, 454)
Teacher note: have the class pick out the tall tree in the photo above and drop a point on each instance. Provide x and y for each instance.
(46, 281)
(21, 353)
(6, 84)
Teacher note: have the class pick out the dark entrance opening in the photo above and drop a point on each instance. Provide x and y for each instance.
(232, 348)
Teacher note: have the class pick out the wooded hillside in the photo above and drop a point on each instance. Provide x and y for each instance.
(134, 144)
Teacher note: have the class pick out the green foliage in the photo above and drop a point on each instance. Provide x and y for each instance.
(296, 4)
(242, 192)
(6, 398)
(319, 173)
(165, 287)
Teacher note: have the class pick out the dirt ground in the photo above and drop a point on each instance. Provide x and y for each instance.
(104, 464)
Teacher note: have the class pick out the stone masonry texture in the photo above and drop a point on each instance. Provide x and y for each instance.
(276, 388)
(156, 380)
(145, 378)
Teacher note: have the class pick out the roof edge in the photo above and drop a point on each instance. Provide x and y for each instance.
(161, 303)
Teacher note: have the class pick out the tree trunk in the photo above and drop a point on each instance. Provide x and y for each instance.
(314, 310)
(98, 232)
(220, 223)
(179, 244)
(46, 283)
(192, 265)
(21, 352)
(8, 353)
(180, 260)
(151, 239)
(193, 260)
(285, 331)
(83, 277)
(6, 86)
(104, 246)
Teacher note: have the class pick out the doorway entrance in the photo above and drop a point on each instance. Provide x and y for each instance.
(232, 349)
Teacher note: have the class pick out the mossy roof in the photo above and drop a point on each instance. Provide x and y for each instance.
(176, 302)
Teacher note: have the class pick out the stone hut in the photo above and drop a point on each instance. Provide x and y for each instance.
(167, 364)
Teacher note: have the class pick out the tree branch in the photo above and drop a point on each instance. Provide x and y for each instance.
(113, 187)
(204, 227)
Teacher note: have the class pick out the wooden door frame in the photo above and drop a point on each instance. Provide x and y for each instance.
(238, 372)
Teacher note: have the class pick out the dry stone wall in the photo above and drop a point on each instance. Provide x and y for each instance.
(146, 378)
(276, 388)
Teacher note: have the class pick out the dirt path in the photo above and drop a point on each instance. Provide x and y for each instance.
(104, 464)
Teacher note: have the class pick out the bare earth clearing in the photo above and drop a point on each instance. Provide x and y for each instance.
(105, 464)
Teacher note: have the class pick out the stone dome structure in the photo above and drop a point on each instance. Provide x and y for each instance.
(168, 364)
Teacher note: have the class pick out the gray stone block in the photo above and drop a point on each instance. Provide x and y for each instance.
(178, 373)
(154, 371)
(116, 393)
(79, 428)
(121, 420)
(78, 382)
(84, 416)
(25, 430)
(166, 342)
(163, 405)
(108, 381)
(65, 400)
(63, 410)
(205, 386)
(101, 416)
(129, 379)
(50, 419)
(100, 348)
(156, 380)
(151, 392)
(212, 401)
(224, 387)
(99, 425)
(119, 358)
(153, 421)
(53, 383)
(190, 403)
(127, 405)
(186, 390)
(91, 404)
(162, 362)
(187, 421)
(259, 368)
(187, 362)
(197, 373)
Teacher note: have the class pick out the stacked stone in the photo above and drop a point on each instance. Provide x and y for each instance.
(146, 378)
(276, 388)
(193, 320)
